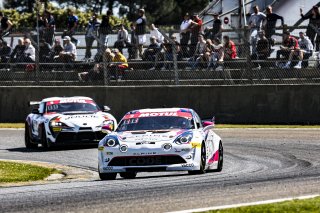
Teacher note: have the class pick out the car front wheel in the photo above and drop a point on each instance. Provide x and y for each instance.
(27, 139)
(203, 159)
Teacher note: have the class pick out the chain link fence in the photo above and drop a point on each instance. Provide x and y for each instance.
(169, 64)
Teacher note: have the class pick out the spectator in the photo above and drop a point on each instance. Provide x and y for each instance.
(18, 52)
(50, 27)
(69, 53)
(56, 49)
(118, 65)
(198, 55)
(216, 55)
(168, 48)
(132, 45)
(313, 26)
(255, 23)
(156, 33)
(230, 51)
(271, 22)
(303, 51)
(91, 34)
(104, 30)
(196, 27)
(141, 30)
(72, 24)
(97, 73)
(152, 51)
(216, 30)
(40, 26)
(5, 26)
(289, 43)
(263, 48)
(122, 38)
(29, 54)
(44, 51)
(185, 34)
(5, 52)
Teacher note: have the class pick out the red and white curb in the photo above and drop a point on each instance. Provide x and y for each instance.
(246, 204)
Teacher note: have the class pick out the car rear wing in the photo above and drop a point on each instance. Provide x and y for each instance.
(34, 103)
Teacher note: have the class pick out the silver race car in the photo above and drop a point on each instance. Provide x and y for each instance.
(171, 139)
(67, 120)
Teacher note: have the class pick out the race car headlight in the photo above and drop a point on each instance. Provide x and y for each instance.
(111, 142)
(184, 138)
(56, 125)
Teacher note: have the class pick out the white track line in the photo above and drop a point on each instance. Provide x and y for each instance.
(246, 204)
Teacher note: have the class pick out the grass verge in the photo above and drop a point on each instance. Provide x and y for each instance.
(11, 125)
(12, 172)
(295, 206)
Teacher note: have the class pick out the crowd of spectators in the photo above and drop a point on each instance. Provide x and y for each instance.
(205, 48)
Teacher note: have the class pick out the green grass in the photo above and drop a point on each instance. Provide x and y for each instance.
(219, 126)
(20, 172)
(295, 206)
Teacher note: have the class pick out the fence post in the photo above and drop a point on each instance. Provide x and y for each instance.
(248, 52)
(105, 70)
(175, 65)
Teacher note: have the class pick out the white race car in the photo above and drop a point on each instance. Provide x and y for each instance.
(67, 120)
(165, 139)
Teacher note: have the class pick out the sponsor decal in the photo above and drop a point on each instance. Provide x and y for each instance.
(145, 161)
(145, 153)
(109, 153)
(100, 148)
(69, 100)
(156, 114)
(187, 165)
(196, 145)
(108, 168)
(56, 129)
(182, 150)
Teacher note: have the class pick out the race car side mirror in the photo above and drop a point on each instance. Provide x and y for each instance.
(106, 109)
(35, 111)
(207, 123)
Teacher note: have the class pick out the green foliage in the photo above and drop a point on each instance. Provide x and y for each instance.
(295, 206)
(19, 172)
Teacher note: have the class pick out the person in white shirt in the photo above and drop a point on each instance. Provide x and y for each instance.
(69, 53)
(29, 51)
(255, 23)
(185, 34)
(122, 38)
(156, 33)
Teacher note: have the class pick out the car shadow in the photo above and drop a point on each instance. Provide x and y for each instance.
(51, 149)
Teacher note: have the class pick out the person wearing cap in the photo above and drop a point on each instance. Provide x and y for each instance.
(122, 38)
(255, 23)
(196, 29)
(141, 30)
(289, 43)
(69, 53)
(216, 29)
(314, 24)
(304, 51)
(5, 26)
(263, 48)
(118, 65)
(185, 34)
(91, 33)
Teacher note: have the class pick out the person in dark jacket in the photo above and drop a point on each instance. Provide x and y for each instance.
(18, 51)
(271, 21)
(314, 24)
(104, 30)
(5, 52)
(141, 30)
(45, 50)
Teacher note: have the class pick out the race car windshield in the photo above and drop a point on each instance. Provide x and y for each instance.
(155, 123)
(71, 107)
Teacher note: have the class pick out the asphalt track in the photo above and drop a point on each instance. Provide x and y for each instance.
(260, 164)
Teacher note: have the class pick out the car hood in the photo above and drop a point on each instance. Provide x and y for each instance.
(149, 136)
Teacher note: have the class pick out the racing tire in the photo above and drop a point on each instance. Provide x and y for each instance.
(220, 161)
(27, 139)
(202, 161)
(107, 176)
(128, 175)
(44, 142)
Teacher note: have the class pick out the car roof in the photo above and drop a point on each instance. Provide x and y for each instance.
(174, 109)
(63, 98)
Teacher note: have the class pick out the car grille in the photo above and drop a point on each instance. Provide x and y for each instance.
(146, 160)
(65, 137)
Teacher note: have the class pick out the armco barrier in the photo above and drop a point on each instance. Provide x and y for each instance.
(230, 104)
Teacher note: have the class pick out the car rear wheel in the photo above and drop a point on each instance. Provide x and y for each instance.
(220, 161)
(203, 160)
(128, 175)
(27, 139)
(107, 176)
